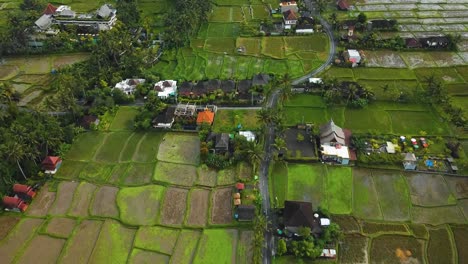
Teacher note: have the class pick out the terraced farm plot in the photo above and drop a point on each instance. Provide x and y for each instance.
(365, 199)
(245, 247)
(383, 74)
(18, 238)
(395, 249)
(206, 176)
(70, 169)
(173, 208)
(221, 206)
(227, 176)
(418, 230)
(178, 174)
(61, 227)
(96, 172)
(306, 183)
(226, 14)
(140, 205)
(130, 146)
(437, 215)
(460, 235)
(148, 147)
(143, 256)
(220, 45)
(41, 203)
(82, 199)
(393, 194)
(372, 228)
(113, 244)
(155, 238)
(339, 182)
(446, 75)
(429, 190)
(385, 59)
(348, 224)
(185, 247)
(7, 223)
(217, 246)
(118, 173)
(197, 213)
(112, 147)
(361, 120)
(43, 248)
(440, 248)
(80, 246)
(64, 198)
(252, 46)
(138, 174)
(354, 249)
(180, 148)
(315, 42)
(312, 115)
(123, 120)
(85, 146)
(273, 47)
(104, 203)
(416, 121)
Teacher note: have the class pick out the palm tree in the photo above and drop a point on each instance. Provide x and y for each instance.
(265, 115)
(255, 154)
(16, 152)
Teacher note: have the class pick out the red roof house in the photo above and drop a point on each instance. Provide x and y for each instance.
(14, 203)
(51, 163)
(50, 9)
(206, 116)
(21, 189)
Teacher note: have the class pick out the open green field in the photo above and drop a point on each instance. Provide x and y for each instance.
(229, 120)
(217, 246)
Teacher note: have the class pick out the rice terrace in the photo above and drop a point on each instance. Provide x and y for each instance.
(234, 131)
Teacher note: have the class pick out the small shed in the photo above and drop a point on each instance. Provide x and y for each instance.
(409, 162)
(328, 253)
(317, 81)
(14, 203)
(21, 189)
(237, 201)
(249, 135)
(222, 143)
(240, 186)
(353, 56)
(51, 164)
(237, 196)
(245, 212)
(390, 147)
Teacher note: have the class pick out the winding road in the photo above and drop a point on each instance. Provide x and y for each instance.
(269, 246)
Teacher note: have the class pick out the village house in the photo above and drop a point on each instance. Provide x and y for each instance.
(200, 89)
(333, 144)
(205, 117)
(221, 143)
(102, 19)
(89, 121)
(289, 19)
(185, 89)
(244, 213)
(51, 164)
(165, 119)
(228, 87)
(212, 85)
(298, 214)
(288, 5)
(166, 89)
(249, 135)
(352, 56)
(413, 43)
(410, 161)
(128, 86)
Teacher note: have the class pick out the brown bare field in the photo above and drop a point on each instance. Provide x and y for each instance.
(221, 206)
(458, 186)
(63, 198)
(6, 224)
(245, 247)
(81, 245)
(42, 249)
(23, 231)
(197, 214)
(41, 203)
(82, 199)
(142, 256)
(104, 202)
(173, 210)
(61, 227)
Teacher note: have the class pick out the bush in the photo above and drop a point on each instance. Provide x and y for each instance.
(217, 162)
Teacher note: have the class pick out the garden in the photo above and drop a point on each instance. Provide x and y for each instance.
(126, 196)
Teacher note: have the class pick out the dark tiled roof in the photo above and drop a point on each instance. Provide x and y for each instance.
(228, 86)
(222, 141)
(298, 214)
(166, 116)
(213, 85)
(246, 212)
(244, 86)
(185, 88)
(260, 79)
(199, 89)
(290, 15)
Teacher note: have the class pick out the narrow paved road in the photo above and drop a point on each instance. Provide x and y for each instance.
(269, 247)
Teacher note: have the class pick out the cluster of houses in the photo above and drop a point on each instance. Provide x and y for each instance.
(292, 19)
(102, 19)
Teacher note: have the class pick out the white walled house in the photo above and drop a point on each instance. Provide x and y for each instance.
(166, 89)
(128, 86)
(290, 19)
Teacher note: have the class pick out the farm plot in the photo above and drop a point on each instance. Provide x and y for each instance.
(43, 248)
(296, 115)
(226, 14)
(81, 244)
(41, 204)
(118, 173)
(273, 47)
(252, 46)
(446, 75)
(61, 227)
(348, 224)
(306, 183)
(245, 247)
(173, 208)
(245, 171)
(130, 146)
(460, 235)
(373, 117)
(70, 169)
(104, 203)
(143, 256)
(417, 59)
(383, 74)
(18, 238)
(220, 45)
(354, 249)
(386, 59)
(64, 198)
(365, 199)
(393, 194)
(372, 228)
(85, 146)
(137, 174)
(217, 246)
(437, 215)
(148, 147)
(140, 205)
(185, 247)
(278, 183)
(429, 190)
(440, 248)
(463, 204)
(306, 100)
(178, 174)
(155, 238)
(419, 231)
(82, 199)
(396, 249)
(227, 176)
(180, 148)
(316, 43)
(206, 176)
(339, 193)
(113, 244)
(96, 172)
(198, 207)
(221, 206)
(228, 120)
(111, 147)
(6, 225)
(411, 122)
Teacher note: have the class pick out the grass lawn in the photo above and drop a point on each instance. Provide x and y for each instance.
(339, 190)
(85, 145)
(228, 120)
(155, 238)
(306, 183)
(216, 246)
(306, 100)
(111, 147)
(124, 118)
(114, 243)
(295, 115)
(140, 205)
